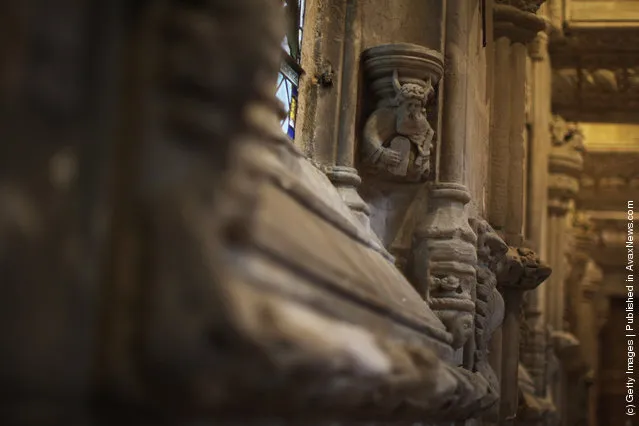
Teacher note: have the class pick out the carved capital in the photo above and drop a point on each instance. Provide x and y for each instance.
(398, 138)
(565, 162)
(445, 257)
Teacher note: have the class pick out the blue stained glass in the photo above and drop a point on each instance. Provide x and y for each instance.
(288, 79)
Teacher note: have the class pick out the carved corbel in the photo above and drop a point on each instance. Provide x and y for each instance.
(398, 136)
(519, 271)
(516, 19)
(444, 258)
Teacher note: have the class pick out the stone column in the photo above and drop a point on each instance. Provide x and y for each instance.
(328, 105)
(343, 173)
(581, 284)
(588, 330)
(515, 25)
(444, 252)
(565, 166)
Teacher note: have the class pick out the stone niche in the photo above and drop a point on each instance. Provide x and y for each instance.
(397, 134)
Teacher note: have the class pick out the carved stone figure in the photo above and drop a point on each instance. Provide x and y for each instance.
(397, 137)
(489, 304)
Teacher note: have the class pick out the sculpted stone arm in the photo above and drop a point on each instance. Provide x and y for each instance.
(379, 128)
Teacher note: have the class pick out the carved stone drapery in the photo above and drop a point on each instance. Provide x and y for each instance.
(398, 138)
(444, 260)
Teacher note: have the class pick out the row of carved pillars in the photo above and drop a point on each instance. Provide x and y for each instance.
(567, 304)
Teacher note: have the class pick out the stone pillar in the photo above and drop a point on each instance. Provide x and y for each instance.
(583, 287)
(539, 151)
(580, 282)
(515, 25)
(444, 252)
(328, 94)
(565, 166)
(588, 330)
(343, 173)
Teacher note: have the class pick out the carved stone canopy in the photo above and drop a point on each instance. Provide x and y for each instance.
(413, 63)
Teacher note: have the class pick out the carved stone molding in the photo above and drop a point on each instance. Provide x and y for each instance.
(444, 259)
(565, 164)
(596, 88)
(398, 138)
(610, 180)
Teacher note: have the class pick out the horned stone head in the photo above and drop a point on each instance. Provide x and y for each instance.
(411, 91)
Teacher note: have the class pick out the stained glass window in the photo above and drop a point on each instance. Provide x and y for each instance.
(290, 70)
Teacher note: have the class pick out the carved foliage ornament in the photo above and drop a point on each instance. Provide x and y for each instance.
(397, 136)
